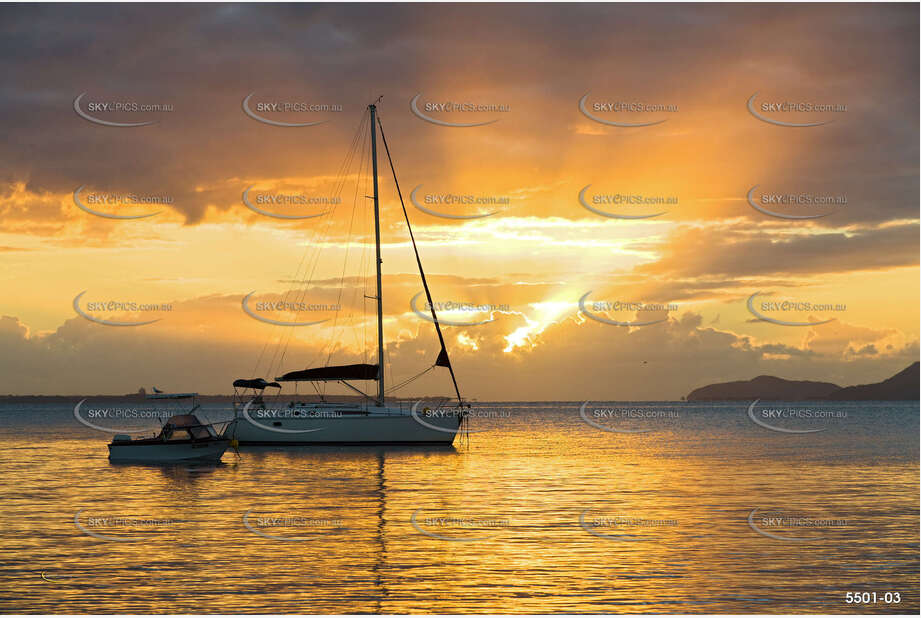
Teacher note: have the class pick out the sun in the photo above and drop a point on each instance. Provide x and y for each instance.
(544, 314)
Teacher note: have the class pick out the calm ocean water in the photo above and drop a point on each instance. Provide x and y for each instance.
(624, 508)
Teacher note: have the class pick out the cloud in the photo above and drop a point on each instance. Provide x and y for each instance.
(206, 250)
(525, 57)
(207, 343)
(739, 251)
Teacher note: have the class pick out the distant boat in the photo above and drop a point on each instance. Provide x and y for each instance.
(183, 438)
(370, 421)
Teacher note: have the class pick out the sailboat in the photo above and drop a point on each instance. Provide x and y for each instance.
(370, 419)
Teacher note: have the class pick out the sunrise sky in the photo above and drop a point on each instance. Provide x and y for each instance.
(533, 259)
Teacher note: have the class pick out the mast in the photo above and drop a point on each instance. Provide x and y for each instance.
(377, 242)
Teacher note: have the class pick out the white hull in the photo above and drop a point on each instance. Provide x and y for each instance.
(168, 453)
(322, 426)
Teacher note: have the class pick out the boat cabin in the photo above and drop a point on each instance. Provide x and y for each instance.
(186, 427)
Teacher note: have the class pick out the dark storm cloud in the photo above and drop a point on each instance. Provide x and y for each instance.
(205, 58)
(739, 252)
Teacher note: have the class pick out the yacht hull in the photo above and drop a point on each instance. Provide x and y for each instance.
(345, 430)
(210, 451)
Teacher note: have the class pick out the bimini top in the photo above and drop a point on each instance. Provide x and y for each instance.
(360, 371)
(257, 383)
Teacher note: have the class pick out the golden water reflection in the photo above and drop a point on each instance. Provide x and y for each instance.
(539, 515)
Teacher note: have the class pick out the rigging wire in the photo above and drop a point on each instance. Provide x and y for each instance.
(331, 344)
(301, 277)
(425, 286)
(358, 148)
(355, 202)
(409, 380)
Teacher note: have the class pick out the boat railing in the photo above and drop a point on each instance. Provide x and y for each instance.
(399, 407)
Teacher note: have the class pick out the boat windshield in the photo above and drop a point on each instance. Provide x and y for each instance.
(174, 433)
(194, 432)
(200, 433)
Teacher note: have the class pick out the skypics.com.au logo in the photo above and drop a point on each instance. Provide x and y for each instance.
(458, 527)
(94, 309)
(602, 203)
(436, 204)
(288, 205)
(270, 311)
(615, 306)
(283, 112)
(771, 310)
(791, 525)
(291, 526)
(130, 419)
(438, 416)
(614, 113)
(439, 112)
(772, 111)
(624, 527)
(447, 310)
(107, 204)
(629, 418)
(116, 111)
(125, 528)
(795, 419)
(774, 204)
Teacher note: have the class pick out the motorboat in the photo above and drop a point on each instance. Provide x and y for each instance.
(182, 438)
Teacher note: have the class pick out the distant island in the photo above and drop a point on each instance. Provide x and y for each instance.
(903, 386)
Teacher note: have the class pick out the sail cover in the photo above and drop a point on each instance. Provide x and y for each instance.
(257, 383)
(360, 371)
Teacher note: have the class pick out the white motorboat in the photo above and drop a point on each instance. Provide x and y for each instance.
(370, 420)
(183, 438)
